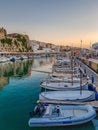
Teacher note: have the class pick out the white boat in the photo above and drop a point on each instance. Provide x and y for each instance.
(64, 70)
(67, 79)
(64, 85)
(4, 59)
(63, 115)
(24, 57)
(64, 75)
(84, 95)
(17, 57)
(62, 62)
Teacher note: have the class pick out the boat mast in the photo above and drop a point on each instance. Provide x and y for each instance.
(72, 63)
(81, 73)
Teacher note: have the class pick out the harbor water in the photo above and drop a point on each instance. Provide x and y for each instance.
(19, 91)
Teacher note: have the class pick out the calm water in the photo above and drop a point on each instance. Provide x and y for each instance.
(19, 91)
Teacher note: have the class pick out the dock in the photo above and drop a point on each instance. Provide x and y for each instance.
(92, 103)
(49, 72)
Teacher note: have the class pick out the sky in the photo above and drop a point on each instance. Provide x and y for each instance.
(62, 22)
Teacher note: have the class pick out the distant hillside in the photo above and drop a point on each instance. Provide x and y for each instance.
(15, 43)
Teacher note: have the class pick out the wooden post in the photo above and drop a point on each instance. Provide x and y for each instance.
(72, 69)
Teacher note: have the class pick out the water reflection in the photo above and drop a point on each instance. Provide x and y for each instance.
(42, 61)
(3, 81)
(20, 69)
(16, 69)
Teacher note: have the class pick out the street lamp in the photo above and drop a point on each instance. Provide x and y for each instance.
(81, 49)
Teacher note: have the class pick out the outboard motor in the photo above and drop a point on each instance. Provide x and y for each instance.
(39, 109)
(34, 112)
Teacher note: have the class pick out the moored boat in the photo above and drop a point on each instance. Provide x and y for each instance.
(4, 59)
(63, 115)
(76, 95)
(64, 85)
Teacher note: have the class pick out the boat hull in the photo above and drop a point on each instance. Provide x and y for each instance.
(66, 121)
(82, 96)
(61, 86)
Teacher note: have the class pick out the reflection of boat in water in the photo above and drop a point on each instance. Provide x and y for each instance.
(62, 115)
(14, 69)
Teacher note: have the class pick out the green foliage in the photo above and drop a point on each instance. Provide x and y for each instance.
(8, 41)
(3, 41)
(18, 37)
(22, 39)
(19, 41)
(16, 43)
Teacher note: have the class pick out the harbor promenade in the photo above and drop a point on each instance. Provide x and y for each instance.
(91, 72)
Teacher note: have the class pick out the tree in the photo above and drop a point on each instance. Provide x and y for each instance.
(2, 40)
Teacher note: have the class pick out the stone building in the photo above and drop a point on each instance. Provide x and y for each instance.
(2, 33)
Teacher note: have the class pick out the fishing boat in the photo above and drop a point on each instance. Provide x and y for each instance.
(4, 59)
(66, 78)
(62, 62)
(67, 84)
(62, 115)
(84, 95)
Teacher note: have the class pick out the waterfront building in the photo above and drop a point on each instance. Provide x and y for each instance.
(94, 50)
(42, 47)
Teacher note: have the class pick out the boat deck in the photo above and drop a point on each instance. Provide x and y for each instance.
(92, 103)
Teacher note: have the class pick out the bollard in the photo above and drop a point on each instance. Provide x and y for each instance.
(85, 70)
(92, 78)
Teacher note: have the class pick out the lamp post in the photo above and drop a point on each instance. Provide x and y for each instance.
(81, 49)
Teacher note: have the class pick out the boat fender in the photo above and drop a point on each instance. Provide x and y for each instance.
(96, 96)
(91, 87)
(92, 78)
